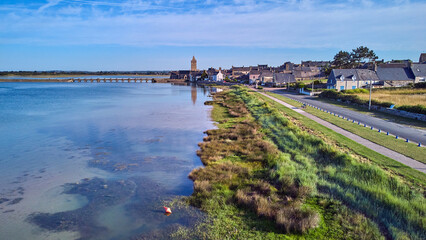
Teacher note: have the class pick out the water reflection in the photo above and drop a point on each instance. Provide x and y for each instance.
(194, 94)
(100, 162)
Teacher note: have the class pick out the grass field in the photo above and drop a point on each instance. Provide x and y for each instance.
(408, 149)
(270, 175)
(398, 97)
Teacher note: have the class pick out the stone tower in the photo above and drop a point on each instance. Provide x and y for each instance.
(193, 64)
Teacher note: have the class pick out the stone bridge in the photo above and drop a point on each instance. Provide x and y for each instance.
(116, 80)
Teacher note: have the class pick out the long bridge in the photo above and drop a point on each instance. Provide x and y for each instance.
(129, 80)
(94, 80)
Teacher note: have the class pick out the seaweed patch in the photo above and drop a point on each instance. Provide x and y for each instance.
(15, 201)
(100, 193)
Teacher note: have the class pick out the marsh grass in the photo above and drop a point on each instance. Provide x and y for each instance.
(387, 200)
(252, 190)
(237, 157)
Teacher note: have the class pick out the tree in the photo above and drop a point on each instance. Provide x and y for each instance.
(362, 53)
(204, 75)
(345, 59)
(300, 85)
(342, 59)
(327, 69)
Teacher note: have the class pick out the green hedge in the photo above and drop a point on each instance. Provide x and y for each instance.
(414, 109)
(420, 85)
(409, 86)
(357, 90)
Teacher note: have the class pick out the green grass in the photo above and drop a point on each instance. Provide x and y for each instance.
(399, 207)
(271, 173)
(241, 165)
(412, 175)
(408, 149)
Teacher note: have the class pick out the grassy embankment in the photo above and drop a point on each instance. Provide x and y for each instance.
(337, 139)
(300, 186)
(408, 149)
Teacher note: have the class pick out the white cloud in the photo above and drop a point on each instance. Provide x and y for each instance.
(69, 10)
(276, 24)
(50, 3)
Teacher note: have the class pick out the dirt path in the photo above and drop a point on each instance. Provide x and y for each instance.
(375, 147)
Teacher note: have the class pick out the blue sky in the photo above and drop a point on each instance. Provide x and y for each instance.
(164, 35)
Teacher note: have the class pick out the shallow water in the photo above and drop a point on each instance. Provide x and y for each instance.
(96, 161)
(86, 77)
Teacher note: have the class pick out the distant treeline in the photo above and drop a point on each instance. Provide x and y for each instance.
(32, 73)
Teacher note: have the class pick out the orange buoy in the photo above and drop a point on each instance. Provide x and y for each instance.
(168, 210)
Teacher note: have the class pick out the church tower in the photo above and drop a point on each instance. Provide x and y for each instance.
(193, 64)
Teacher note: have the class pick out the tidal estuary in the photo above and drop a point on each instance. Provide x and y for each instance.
(97, 160)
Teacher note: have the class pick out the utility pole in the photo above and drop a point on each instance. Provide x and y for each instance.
(312, 92)
(346, 84)
(369, 101)
(371, 85)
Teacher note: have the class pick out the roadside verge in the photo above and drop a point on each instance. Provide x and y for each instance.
(366, 143)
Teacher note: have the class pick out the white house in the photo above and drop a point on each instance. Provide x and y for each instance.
(219, 76)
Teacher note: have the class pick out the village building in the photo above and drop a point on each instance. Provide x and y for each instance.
(187, 75)
(365, 76)
(240, 71)
(212, 74)
(419, 71)
(395, 75)
(305, 73)
(287, 67)
(345, 79)
(315, 63)
(215, 75)
(195, 76)
(266, 76)
(282, 79)
(181, 74)
(220, 76)
(193, 64)
(422, 58)
(261, 67)
(253, 76)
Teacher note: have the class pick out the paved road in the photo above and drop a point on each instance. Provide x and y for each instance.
(413, 134)
(373, 146)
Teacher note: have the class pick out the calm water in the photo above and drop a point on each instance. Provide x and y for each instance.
(88, 77)
(96, 161)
